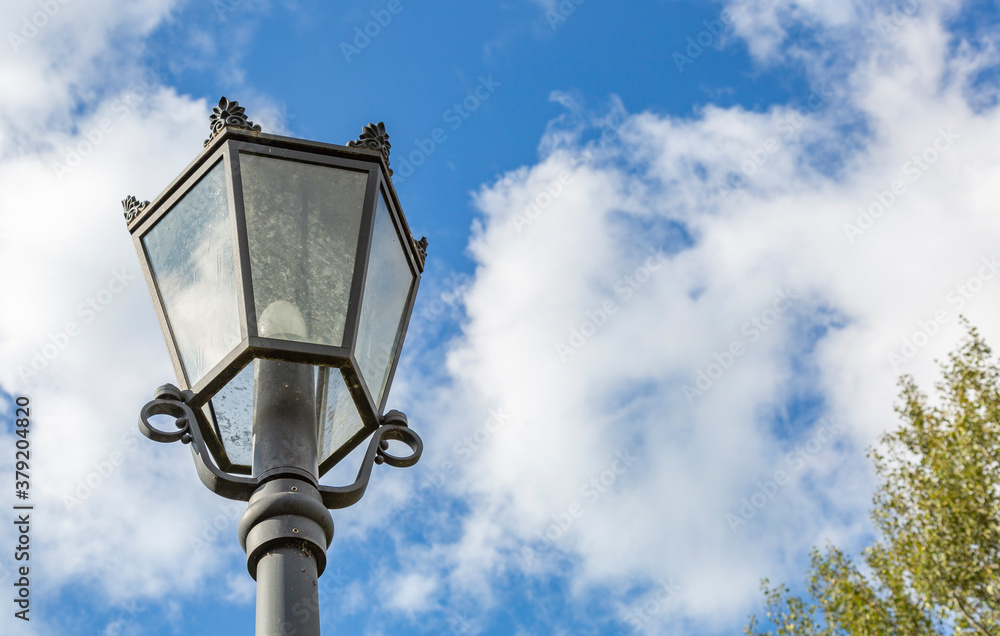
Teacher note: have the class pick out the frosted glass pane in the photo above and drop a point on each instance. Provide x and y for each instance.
(337, 416)
(303, 222)
(190, 252)
(386, 290)
(339, 419)
(233, 407)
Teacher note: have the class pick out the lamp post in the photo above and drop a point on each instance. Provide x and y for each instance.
(283, 274)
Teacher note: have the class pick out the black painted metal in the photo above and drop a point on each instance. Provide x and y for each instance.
(133, 207)
(422, 249)
(237, 223)
(284, 421)
(229, 113)
(287, 593)
(362, 250)
(374, 137)
(285, 533)
(335, 497)
(171, 401)
(144, 222)
(287, 526)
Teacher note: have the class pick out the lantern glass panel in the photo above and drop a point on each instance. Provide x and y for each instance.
(339, 419)
(387, 288)
(303, 222)
(190, 252)
(233, 409)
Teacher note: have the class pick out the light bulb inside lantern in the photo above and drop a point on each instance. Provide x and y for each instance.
(282, 319)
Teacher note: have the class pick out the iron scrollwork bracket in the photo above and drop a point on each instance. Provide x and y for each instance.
(394, 427)
(172, 402)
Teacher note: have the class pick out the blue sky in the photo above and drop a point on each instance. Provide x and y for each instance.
(432, 56)
(679, 255)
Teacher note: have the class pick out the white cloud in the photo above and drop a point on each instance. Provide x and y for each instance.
(547, 486)
(899, 113)
(241, 589)
(83, 124)
(410, 592)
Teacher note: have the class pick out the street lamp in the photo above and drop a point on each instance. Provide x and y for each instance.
(283, 274)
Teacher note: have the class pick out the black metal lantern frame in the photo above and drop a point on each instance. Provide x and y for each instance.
(234, 139)
(206, 251)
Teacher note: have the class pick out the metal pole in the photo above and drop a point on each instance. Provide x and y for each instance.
(286, 528)
(291, 603)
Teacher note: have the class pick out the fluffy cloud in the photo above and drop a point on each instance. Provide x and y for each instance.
(785, 266)
(769, 261)
(82, 124)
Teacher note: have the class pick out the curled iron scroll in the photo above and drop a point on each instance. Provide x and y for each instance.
(182, 414)
(393, 428)
(169, 401)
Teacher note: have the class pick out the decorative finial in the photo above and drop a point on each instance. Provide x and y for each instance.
(374, 137)
(422, 248)
(229, 113)
(133, 207)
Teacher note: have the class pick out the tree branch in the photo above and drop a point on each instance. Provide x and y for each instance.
(968, 616)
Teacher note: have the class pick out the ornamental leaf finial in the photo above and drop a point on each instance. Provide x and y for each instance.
(133, 207)
(374, 137)
(229, 113)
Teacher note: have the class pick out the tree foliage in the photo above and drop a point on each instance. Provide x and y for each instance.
(934, 567)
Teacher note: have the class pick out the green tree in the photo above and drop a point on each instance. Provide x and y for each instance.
(934, 567)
